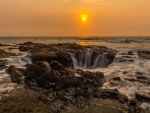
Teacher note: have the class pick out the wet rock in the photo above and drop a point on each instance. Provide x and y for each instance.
(2, 64)
(15, 75)
(47, 80)
(124, 72)
(142, 77)
(61, 84)
(107, 93)
(130, 53)
(4, 54)
(63, 58)
(36, 70)
(139, 73)
(132, 102)
(43, 64)
(117, 78)
(24, 48)
(123, 98)
(61, 53)
(56, 65)
(144, 54)
(142, 97)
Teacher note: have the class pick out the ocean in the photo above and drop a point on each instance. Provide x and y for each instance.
(119, 43)
(126, 67)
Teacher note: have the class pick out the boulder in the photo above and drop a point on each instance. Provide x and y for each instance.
(4, 54)
(130, 53)
(24, 48)
(56, 65)
(36, 70)
(63, 58)
(15, 75)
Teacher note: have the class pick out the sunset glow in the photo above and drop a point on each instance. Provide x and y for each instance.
(84, 17)
(68, 17)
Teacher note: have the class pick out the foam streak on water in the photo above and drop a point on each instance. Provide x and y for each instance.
(17, 61)
(127, 70)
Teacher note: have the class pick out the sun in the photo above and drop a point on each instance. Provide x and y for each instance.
(84, 17)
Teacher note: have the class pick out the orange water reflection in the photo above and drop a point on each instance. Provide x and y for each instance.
(83, 43)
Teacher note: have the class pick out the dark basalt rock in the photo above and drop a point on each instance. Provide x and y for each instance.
(142, 97)
(142, 77)
(61, 52)
(116, 78)
(63, 58)
(15, 75)
(144, 54)
(133, 102)
(2, 64)
(139, 73)
(56, 65)
(4, 54)
(24, 48)
(36, 70)
(130, 53)
(55, 82)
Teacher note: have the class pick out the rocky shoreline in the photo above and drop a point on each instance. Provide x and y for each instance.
(56, 82)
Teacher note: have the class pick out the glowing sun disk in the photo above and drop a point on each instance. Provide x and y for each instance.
(84, 18)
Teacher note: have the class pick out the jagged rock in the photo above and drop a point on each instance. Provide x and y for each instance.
(15, 75)
(47, 79)
(56, 65)
(4, 54)
(112, 94)
(116, 78)
(142, 77)
(61, 53)
(132, 102)
(36, 70)
(44, 65)
(24, 48)
(123, 98)
(142, 97)
(130, 53)
(139, 73)
(63, 58)
(63, 84)
(144, 54)
(2, 63)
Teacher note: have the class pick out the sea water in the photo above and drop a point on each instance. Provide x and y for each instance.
(116, 69)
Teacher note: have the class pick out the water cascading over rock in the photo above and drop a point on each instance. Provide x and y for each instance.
(90, 58)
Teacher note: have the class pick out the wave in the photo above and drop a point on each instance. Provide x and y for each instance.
(129, 40)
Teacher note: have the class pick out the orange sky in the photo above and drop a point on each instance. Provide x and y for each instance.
(63, 18)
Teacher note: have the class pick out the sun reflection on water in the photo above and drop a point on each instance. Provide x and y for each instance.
(83, 43)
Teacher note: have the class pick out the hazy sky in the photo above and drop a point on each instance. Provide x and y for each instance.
(64, 18)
